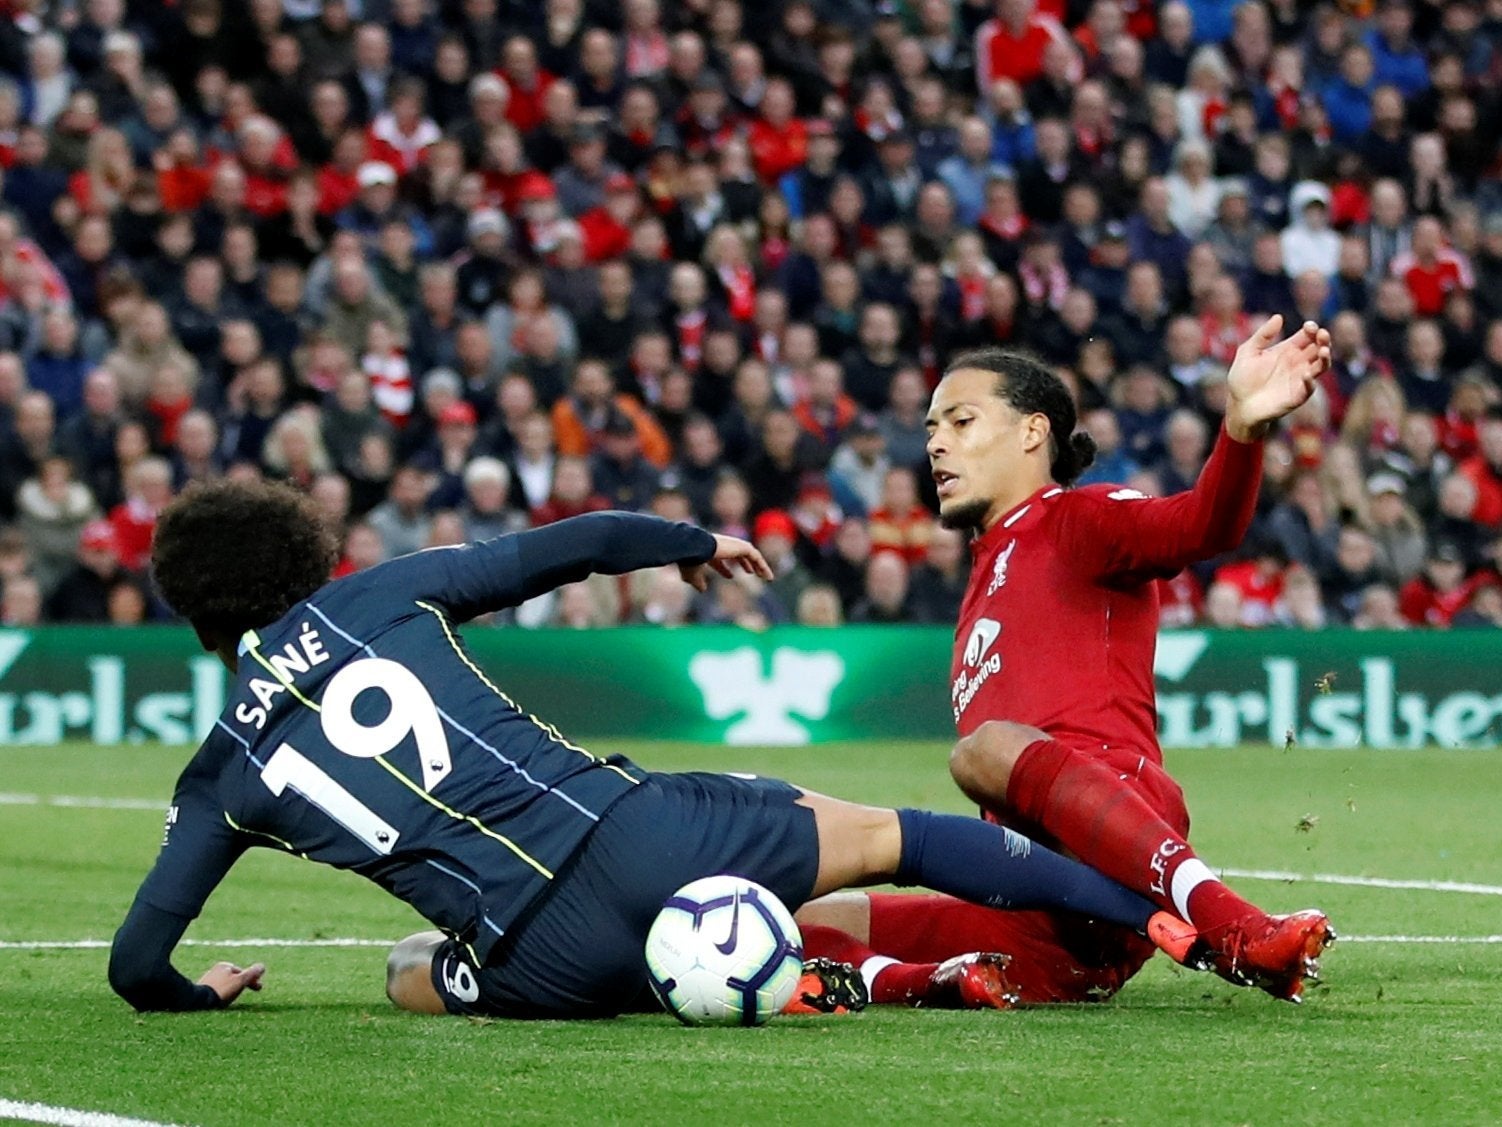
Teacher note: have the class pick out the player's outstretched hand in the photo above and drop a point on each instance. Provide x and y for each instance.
(1269, 378)
(230, 981)
(731, 554)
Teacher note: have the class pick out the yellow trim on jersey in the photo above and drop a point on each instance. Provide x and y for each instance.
(287, 845)
(470, 819)
(251, 642)
(547, 729)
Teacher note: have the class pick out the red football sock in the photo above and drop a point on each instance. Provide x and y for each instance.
(1088, 808)
(888, 981)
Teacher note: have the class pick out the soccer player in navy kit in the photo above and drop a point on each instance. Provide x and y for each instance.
(359, 733)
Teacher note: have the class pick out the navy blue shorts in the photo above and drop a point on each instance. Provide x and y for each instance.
(580, 951)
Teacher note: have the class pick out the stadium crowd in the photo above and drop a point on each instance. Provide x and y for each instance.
(457, 267)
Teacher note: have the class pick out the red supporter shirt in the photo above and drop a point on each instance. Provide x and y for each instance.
(525, 110)
(1431, 285)
(134, 522)
(1259, 593)
(1488, 484)
(1423, 604)
(1060, 622)
(1000, 54)
(777, 149)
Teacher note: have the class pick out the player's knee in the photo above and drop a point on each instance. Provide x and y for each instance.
(981, 763)
(409, 982)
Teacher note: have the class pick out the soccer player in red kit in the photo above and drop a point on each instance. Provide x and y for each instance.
(1052, 691)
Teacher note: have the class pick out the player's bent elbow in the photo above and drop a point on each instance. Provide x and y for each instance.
(981, 763)
(127, 977)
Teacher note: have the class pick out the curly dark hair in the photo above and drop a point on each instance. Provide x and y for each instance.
(232, 556)
(1031, 388)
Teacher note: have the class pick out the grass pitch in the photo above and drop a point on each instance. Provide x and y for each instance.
(1401, 1032)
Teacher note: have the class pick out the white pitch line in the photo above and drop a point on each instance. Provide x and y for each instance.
(1487, 939)
(1365, 882)
(82, 801)
(69, 1116)
(104, 944)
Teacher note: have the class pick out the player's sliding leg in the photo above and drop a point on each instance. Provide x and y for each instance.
(978, 862)
(966, 982)
(1084, 804)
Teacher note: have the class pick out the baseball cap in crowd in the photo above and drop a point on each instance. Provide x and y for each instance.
(1380, 483)
(97, 536)
(1307, 193)
(487, 221)
(374, 172)
(774, 522)
(460, 414)
(535, 186)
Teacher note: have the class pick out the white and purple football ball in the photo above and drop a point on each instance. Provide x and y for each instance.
(724, 951)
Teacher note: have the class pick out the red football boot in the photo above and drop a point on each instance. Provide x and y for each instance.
(1277, 954)
(977, 981)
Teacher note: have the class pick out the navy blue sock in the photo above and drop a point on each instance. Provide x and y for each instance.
(999, 868)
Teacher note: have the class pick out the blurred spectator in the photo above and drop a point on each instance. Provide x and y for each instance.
(938, 584)
(901, 523)
(1256, 582)
(82, 593)
(1437, 594)
(401, 520)
(572, 493)
(148, 489)
(53, 508)
(886, 591)
(819, 605)
(1300, 606)
(242, 241)
(1396, 529)
(1379, 610)
(20, 601)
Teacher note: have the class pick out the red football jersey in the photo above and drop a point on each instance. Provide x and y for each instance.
(1060, 621)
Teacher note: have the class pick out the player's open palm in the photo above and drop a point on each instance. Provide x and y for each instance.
(230, 981)
(1269, 378)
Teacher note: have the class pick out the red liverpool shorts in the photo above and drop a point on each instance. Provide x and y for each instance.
(1056, 957)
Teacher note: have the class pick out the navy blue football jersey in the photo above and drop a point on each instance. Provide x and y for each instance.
(359, 733)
